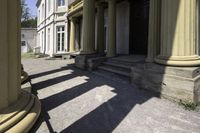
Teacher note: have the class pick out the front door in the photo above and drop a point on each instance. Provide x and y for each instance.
(139, 20)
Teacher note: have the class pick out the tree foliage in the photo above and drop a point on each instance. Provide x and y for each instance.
(27, 21)
(25, 11)
(30, 23)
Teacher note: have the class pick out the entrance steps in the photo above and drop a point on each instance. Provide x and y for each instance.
(120, 67)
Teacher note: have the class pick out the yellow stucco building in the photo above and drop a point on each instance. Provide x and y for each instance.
(162, 34)
(165, 32)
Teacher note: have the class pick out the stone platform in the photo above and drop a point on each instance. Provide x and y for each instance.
(178, 83)
(76, 101)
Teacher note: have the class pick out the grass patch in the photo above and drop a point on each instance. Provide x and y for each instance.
(28, 55)
(190, 105)
(31, 55)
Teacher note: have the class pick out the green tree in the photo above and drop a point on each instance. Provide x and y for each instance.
(27, 21)
(30, 23)
(25, 11)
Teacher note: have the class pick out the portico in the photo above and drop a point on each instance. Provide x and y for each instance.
(166, 36)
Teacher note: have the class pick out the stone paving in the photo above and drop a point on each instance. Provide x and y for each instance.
(76, 101)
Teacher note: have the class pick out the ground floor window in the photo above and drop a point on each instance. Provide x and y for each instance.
(60, 38)
(23, 43)
(48, 43)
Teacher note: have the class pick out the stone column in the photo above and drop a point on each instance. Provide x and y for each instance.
(179, 33)
(72, 35)
(88, 27)
(100, 27)
(111, 49)
(18, 109)
(154, 30)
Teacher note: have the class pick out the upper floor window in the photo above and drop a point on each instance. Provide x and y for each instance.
(38, 16)
(49, 5)
(43, 11)
(61, 2)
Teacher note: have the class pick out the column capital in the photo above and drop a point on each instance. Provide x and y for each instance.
(72, 18)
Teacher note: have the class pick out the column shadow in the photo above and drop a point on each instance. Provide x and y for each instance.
(104, 118)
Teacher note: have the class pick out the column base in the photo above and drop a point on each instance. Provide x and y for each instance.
(24, 77)
(81, 61)
(149, 60)
(87, 52)
(176, 83)
(21, 116)
(110, 55)
(185, 61)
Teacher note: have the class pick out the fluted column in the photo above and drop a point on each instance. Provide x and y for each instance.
(72, 35)
(179, 33)
(100, 28)
(154, 30)
(18, 109)
(10, 79)
(88, 46)
(111, 50)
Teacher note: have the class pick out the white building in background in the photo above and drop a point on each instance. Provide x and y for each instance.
(52, 26)
(28, 39)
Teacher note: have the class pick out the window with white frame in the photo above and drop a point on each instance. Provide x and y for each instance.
(42, 40)
(48, 39)
(38, 16)
(23, 43)
(49, 5)
(60, 38)
(61, 2)
(43, 11)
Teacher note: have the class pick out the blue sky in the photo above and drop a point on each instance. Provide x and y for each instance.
(32, 5)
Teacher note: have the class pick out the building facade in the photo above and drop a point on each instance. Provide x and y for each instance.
(52, 26)
(28, 39)
(165, 32)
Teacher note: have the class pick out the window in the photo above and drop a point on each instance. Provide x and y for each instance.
(38, 16)
(43, 11)
(61, 2)
(42, 40)
(60, 38)
(23, 43)
(48, 43)
(23, 36)
(49, 5)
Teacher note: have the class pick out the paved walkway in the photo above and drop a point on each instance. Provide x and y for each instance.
(75, 101)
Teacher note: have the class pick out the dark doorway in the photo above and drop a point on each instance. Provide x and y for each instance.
(139, 21)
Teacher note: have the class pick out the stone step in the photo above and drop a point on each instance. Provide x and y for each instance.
(115, 70)
(114, 64)
(120, 62)
(128, 60)
(112, 76)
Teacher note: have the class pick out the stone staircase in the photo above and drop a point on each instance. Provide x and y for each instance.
(119, 67)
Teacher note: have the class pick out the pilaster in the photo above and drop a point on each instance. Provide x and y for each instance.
(72, 35)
